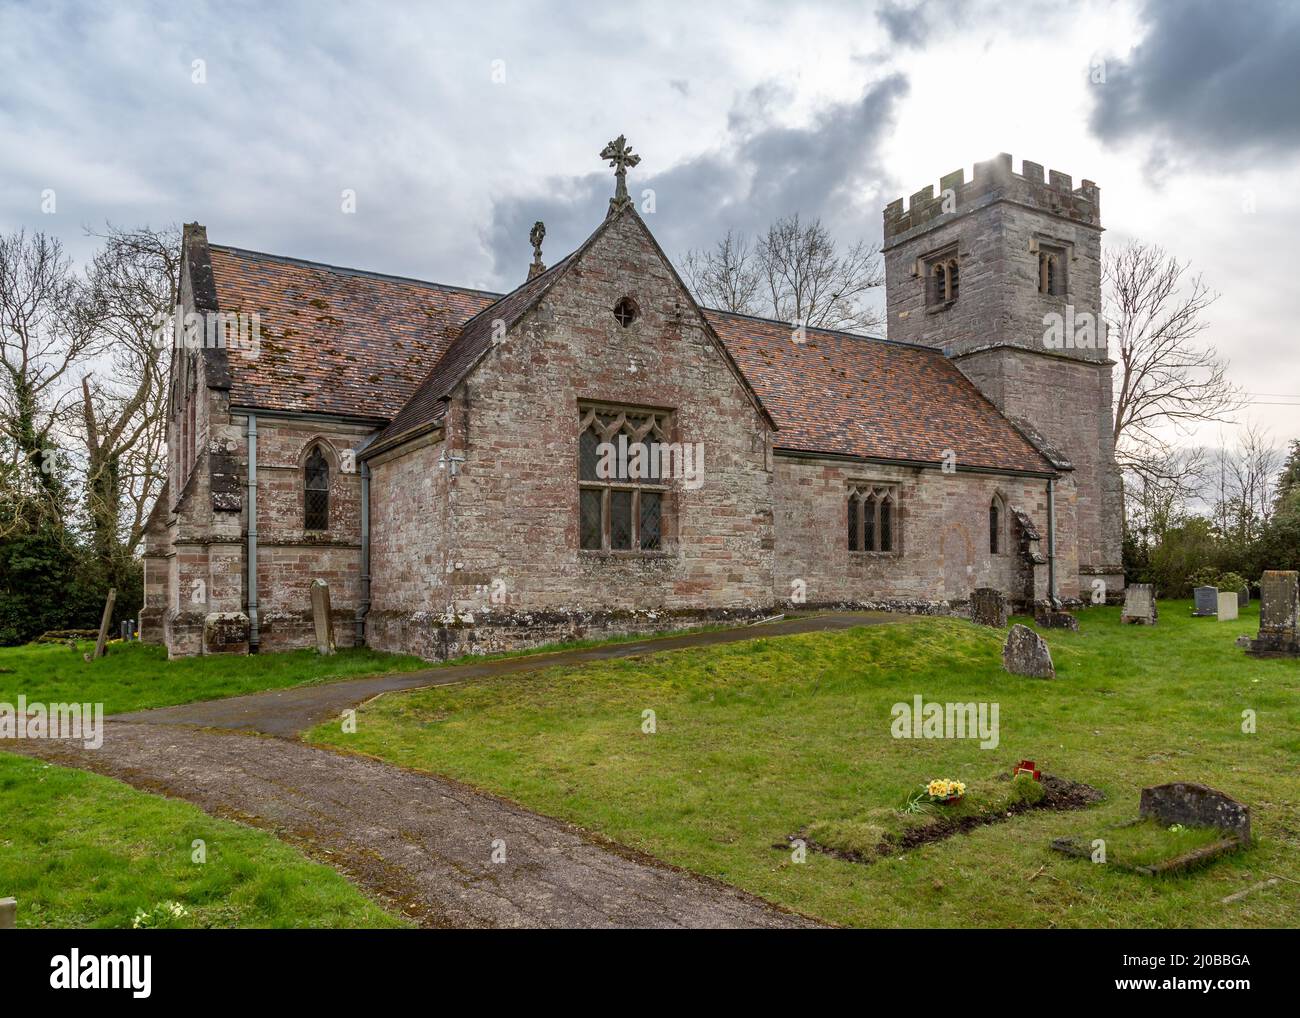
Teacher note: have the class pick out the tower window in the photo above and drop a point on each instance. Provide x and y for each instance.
(1051, 272)
(942, 273)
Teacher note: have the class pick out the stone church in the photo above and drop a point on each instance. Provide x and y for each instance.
(595, 453)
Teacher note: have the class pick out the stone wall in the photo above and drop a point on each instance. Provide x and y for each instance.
(508, 542)
(290, 557)
(997, 224)
(941, 537)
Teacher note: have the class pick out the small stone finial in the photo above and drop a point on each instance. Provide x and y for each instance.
(620, 156)
(535, 237)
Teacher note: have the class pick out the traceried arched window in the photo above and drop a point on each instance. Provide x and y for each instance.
(872, 517)
(622, 485)
(316, 492)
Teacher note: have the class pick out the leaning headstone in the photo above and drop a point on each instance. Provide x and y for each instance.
(988, 607)
(1027, 653)
(321, 618)
(1139, 604)
(1279, 615)
(104, 622)
(1228, 605)
(1207, 601)
(1193, 805)
(8, 914)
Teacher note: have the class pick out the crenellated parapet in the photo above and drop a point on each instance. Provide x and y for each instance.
(994, 179)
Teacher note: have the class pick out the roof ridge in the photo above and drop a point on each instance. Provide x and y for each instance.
(821, 328)
(346, 270)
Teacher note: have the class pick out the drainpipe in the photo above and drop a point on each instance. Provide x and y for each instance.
(1051, 540)
(363, 605)
(251, 502)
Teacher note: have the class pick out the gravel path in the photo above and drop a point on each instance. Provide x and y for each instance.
(425, 845)
(420, 843)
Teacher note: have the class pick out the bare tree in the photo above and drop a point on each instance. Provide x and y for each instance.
(1245, 485)
(1164, 378)
(796, 272)
(1158, 487)
(727, 277)
(42, 340)
(131, 289)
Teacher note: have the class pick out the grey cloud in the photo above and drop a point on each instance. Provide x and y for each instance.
(1208, 78)
(759, 172)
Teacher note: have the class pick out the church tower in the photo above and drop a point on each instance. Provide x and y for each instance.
(1003, 272)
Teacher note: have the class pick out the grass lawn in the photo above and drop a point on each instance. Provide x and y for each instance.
(759, 740)
(133, 676)
(79, 850)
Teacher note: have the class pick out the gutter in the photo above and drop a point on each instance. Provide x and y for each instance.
(251, 503)
(789, 452)
(363, 604)
(1051, 541)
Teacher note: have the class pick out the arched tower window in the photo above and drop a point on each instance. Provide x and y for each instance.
(943, 280)
(1051, 272)
(940, 284)
(316, 491)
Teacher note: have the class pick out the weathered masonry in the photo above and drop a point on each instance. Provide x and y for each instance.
(593, 452)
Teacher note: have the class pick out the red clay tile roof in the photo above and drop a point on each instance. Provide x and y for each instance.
(427, 404)
(341, 341)
(336, 341)
(859, 396)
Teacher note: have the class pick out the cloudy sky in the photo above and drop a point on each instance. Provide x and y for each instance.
(457, 125)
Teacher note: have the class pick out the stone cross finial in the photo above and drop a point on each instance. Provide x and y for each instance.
(620, 156)
(535, 237)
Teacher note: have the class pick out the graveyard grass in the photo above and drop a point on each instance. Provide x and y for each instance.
(79, 850)
(134, 676)
(758, 740)
(137, 676)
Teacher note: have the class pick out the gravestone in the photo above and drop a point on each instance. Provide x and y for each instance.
(1279, 615)
(225, 633)
(988, 607)
(1027, 653)
(1207, 601)
(1193, 805)
(1139, 604)
(1050, 617)
(1243, 597)
(8, 914)
(104, 622)
(1229, 601)
(321, 617)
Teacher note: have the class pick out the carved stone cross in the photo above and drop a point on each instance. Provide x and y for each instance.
(620, 156)
(535, 237)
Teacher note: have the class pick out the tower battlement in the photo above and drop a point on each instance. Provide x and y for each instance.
(994, 180)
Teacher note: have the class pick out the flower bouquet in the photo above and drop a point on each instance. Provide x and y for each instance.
(945, 790)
